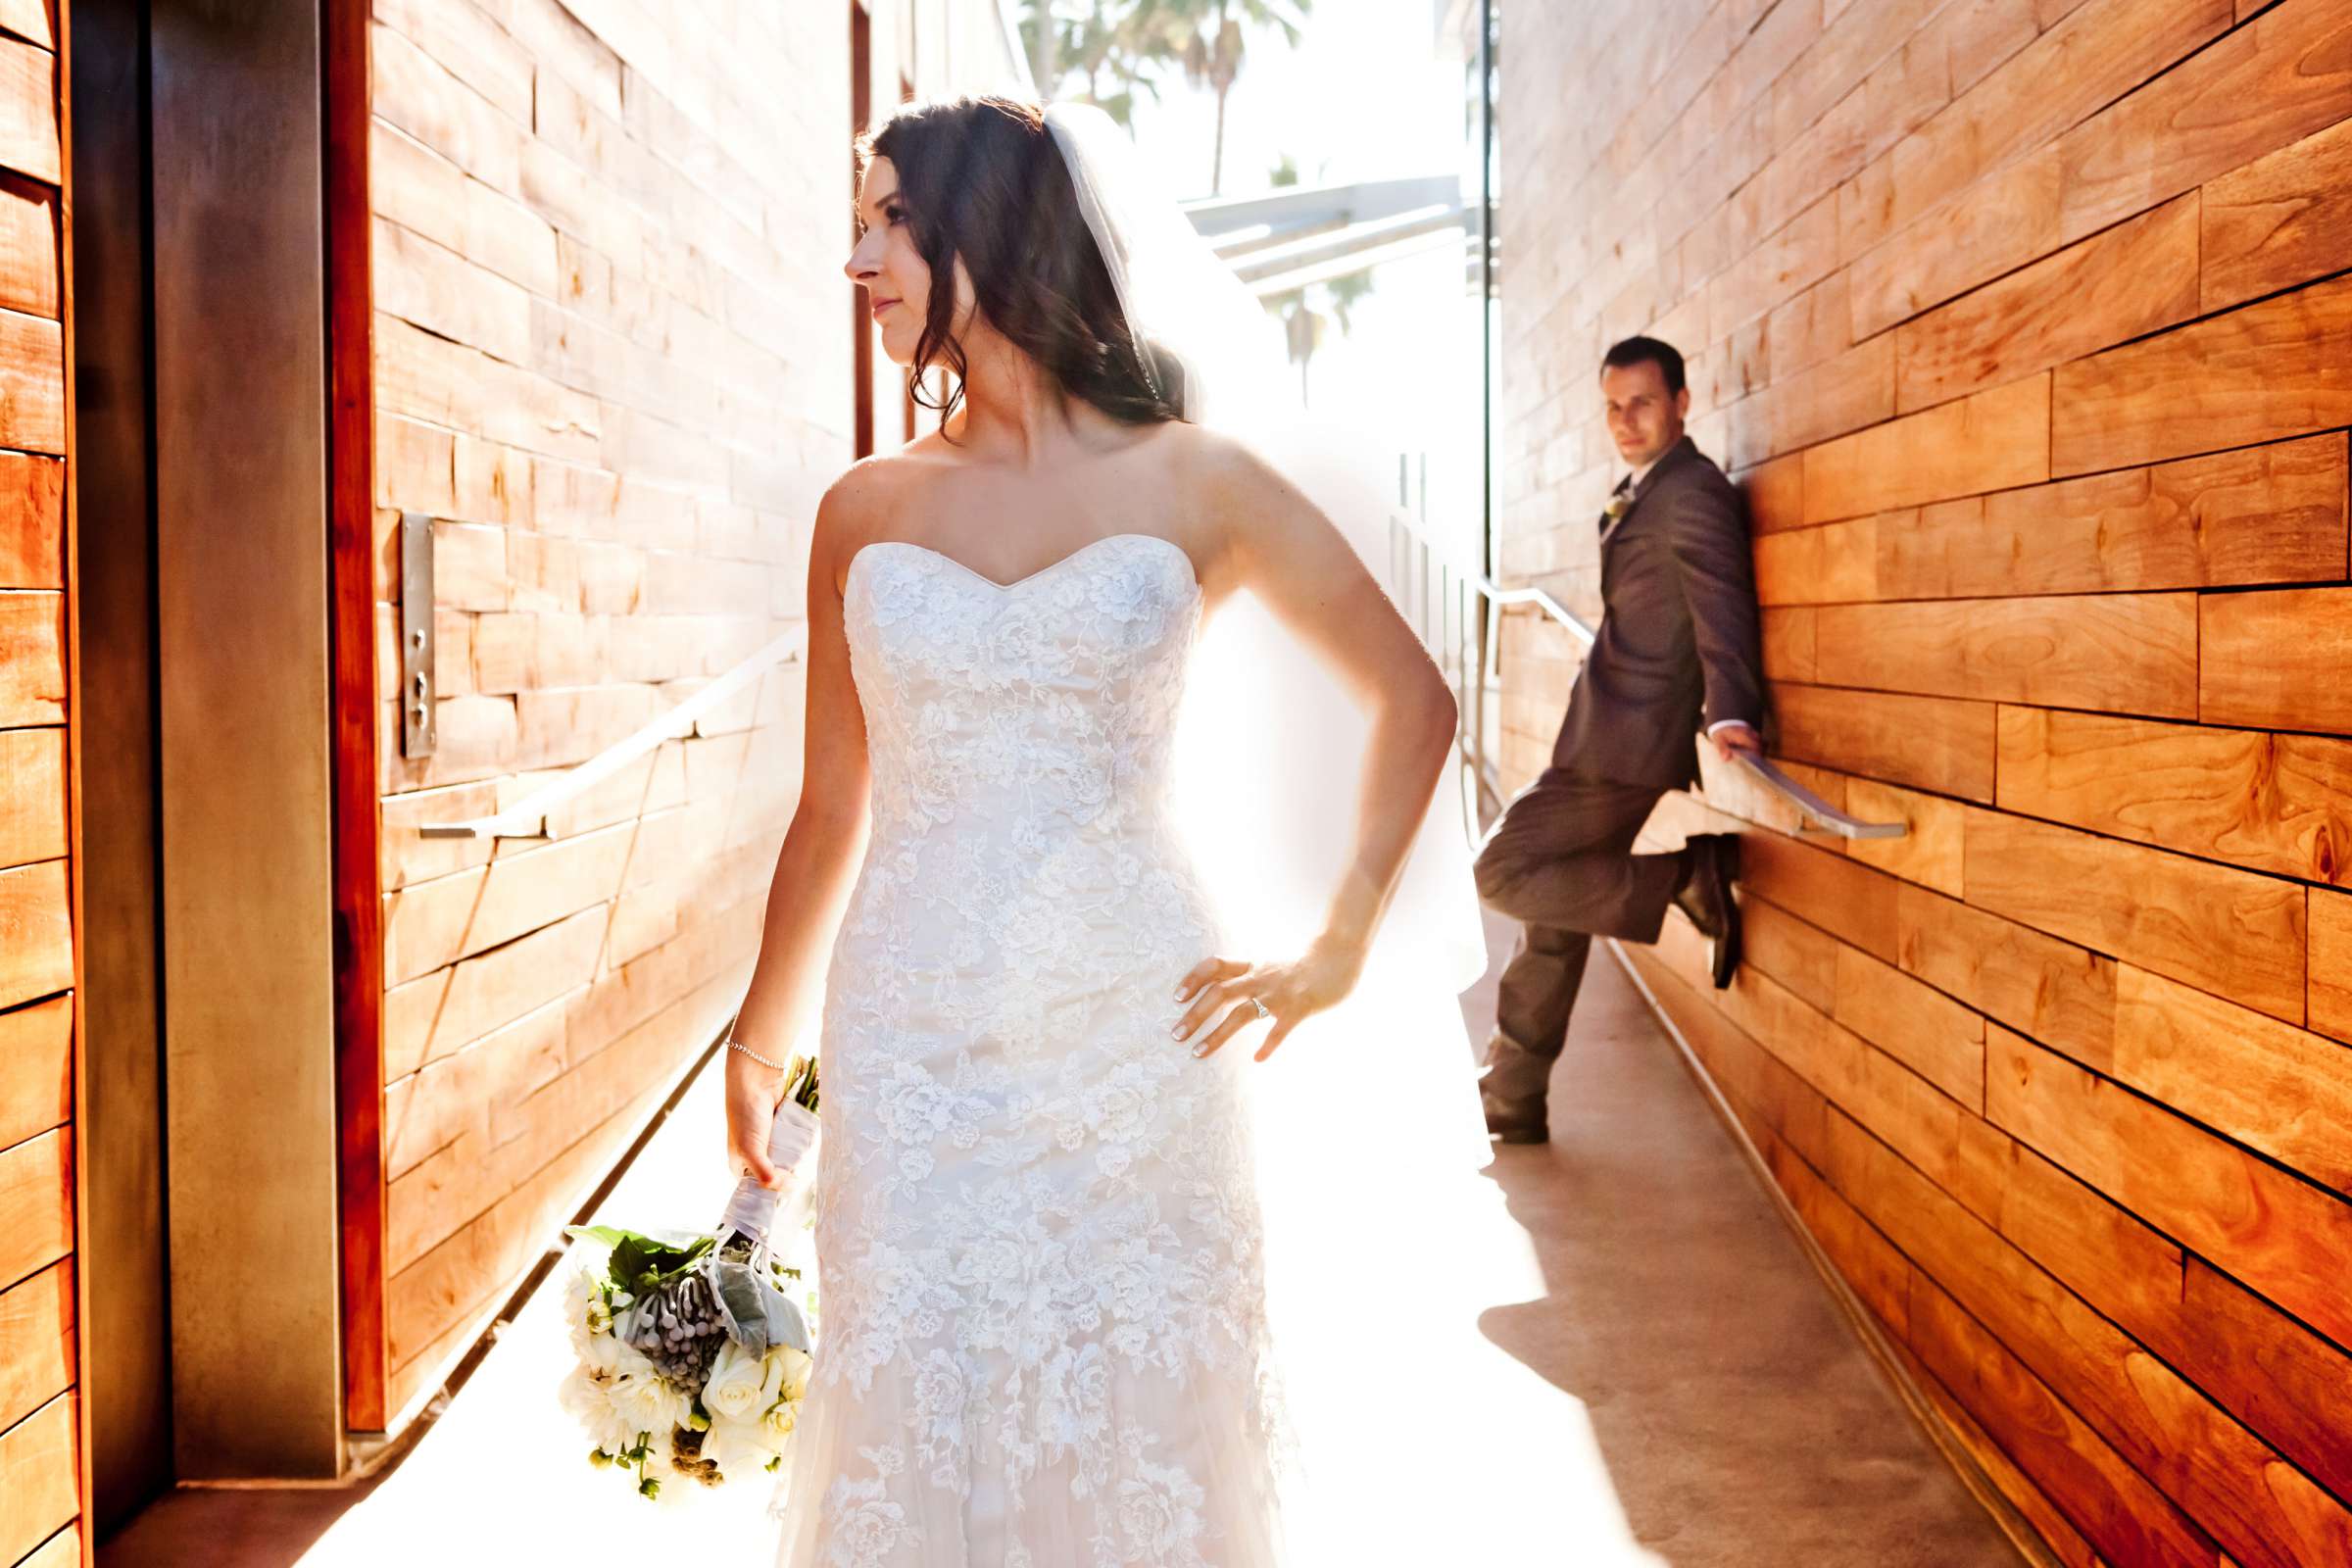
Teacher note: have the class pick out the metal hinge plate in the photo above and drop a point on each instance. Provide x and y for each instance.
(416, 685)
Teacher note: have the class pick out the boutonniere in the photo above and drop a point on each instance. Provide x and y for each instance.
(1619, 505)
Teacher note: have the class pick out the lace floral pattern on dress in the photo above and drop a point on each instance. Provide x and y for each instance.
(1044, 1335)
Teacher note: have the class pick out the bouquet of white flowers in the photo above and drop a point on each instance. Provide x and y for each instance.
(694, 1355)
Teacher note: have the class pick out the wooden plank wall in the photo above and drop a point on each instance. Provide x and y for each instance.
(42, 1470)
(2025, 324)
(610, 361)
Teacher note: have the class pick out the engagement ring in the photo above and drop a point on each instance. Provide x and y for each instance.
(1262, 1010)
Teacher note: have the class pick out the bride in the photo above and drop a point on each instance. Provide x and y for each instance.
(1046, 1330)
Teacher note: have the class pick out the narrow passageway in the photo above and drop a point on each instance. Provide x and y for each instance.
(1741, 1421)
(1654, 1375)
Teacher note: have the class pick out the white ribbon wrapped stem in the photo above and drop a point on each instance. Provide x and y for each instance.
(791, 1147)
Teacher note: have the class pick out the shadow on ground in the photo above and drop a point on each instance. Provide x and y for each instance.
(259, 1527)
(1669, 1383)
(1741, 1420)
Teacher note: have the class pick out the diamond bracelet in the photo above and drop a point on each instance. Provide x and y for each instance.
(737, 1044)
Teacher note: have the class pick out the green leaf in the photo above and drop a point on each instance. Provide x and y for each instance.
(628, 1260)
(610, 1235)
(642, 1265)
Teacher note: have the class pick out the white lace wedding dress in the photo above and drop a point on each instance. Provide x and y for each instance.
(1043, 1340)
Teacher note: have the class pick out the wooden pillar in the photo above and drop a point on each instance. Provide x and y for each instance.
(351, 613)
(126, 1329)
(861, 325)
(241, 465)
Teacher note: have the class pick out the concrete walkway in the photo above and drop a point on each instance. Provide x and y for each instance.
(1637, 1363)
(1741, 1421)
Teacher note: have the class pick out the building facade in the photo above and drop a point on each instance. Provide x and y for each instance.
(2023, 323)
(519, 321)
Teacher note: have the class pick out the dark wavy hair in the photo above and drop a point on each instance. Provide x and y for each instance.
(982, 178)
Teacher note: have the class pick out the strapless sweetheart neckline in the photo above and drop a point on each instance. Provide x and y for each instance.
(1047, 568)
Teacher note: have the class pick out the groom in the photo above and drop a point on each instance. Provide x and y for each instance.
(1676, 644)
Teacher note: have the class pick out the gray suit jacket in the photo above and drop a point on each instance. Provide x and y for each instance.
(1678, 645)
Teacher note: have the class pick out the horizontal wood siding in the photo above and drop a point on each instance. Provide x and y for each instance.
(609, 366)
(43, 1443)
(2024, 327)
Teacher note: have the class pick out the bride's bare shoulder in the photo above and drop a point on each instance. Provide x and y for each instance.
(1202, 449)
(1234, 485)
(1227, 467)
(867, 489)
(857, 508)
(865, 485)
(1219, 474)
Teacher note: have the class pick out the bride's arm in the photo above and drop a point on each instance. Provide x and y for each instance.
(1272, 540)
(818, 865)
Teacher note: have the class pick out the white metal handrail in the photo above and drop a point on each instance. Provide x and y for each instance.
(527, 818)
(1819, 812)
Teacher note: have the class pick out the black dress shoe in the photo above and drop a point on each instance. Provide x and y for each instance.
(1705, 895)
(1517, 1121)
(1727, 947)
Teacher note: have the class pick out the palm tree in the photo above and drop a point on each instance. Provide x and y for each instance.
(1304, 326)
(1127, 41)
(1041, 35)
(1215, 34)
(1301, 328)
(1344, 291)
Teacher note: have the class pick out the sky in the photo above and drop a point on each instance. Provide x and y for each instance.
(1365, 95)
(1370, 92)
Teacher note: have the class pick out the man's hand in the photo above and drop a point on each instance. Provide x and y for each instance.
(1734, 738)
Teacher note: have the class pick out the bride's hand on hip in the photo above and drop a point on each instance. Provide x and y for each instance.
(1286, 993)
(753, 1090)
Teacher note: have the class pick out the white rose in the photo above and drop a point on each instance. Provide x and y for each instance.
(788, 1373)
(733, 1390)
(737, 1447)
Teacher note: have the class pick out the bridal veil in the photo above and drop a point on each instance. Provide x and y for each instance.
(1368, 1126)
(1289, 745)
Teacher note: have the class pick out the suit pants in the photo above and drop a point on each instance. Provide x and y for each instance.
(1560, 860)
